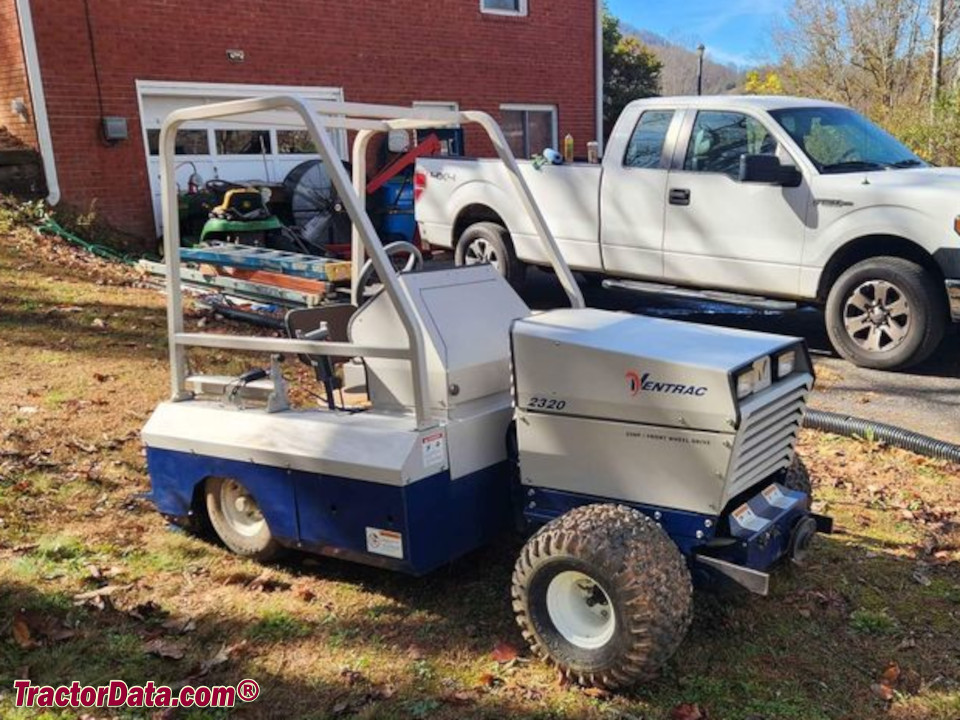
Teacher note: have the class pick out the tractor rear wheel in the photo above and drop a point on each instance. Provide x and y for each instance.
(237, 519)
(604, 594)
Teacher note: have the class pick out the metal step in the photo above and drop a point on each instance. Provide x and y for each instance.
(257, 258)
(650, 288)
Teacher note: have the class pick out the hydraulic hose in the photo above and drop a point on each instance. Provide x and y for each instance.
(848, 426)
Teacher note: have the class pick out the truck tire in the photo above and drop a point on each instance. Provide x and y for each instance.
(886, 313)
(237, 520)
(604, 594)
(489, 242)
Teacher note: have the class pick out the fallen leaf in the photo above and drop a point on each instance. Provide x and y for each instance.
(596, 692)
(884, 692)
(21, 632)
(486, 680)
(415, 652)
(265, 582)
(146, 611)
(891, 675)
(98, 323)
(462, 697)
(504, 652)
(351, 676)
(688, 711)
(164, 649)
(305, 593)
(105, 591)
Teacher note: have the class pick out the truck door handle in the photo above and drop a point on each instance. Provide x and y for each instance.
(679, 196)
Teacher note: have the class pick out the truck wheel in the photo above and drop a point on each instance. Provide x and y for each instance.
(488, 242)
(603, 594)
(885, 313)
(237, 519)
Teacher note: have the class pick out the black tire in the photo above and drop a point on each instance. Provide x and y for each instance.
(906, 326)
(643, 582)
(797, 477)
(490, 242)
(257, 543)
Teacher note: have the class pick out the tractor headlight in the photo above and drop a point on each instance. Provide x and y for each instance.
(786, 363)
(753, 379)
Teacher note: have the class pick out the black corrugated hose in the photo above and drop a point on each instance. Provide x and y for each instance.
(890, 434)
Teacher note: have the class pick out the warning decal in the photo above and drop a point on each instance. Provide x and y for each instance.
(748, 519)
(433, 449)
(385, 542)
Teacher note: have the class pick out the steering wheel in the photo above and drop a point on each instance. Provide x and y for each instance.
(404, 256)
(220, 187)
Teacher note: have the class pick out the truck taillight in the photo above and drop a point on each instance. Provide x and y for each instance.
(419, 184)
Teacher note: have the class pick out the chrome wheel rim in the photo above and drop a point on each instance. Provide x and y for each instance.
(580, 610)
(877, 316)
(240, 510)
(481, 251)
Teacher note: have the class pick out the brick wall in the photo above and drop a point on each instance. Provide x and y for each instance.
(13, 79)
(384, 51)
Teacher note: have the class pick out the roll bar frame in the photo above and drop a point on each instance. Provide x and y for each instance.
(319, 118)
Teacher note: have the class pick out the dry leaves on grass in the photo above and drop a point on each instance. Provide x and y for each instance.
(163, 648)
(689, 711)
(504, 653)
(29, 629)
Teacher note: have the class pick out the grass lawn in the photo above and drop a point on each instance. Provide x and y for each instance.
(94, 585)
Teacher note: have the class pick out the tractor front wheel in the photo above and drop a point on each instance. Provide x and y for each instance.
(604, 594)
(237, 519)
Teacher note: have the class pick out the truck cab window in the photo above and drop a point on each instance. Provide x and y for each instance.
(720, 138)
(646, 144)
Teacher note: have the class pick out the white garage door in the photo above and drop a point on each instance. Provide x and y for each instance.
(259, 146)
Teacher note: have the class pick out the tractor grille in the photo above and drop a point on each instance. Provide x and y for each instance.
(768, 431)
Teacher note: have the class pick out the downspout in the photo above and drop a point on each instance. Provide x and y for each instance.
(40, 119)
(599, 74)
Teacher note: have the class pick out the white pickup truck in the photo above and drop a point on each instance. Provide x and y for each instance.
(756, 200)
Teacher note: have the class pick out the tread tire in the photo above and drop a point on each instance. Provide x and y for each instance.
(644, 575)
(510, 267)
(261, 547)
(927, 301)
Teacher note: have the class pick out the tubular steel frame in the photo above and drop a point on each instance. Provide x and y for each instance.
(319, 118)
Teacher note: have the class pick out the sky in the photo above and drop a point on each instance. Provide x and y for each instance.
(733, 31)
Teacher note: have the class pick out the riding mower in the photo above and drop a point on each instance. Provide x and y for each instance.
(637, 454)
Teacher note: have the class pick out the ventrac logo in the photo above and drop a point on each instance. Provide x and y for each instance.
(638, 383)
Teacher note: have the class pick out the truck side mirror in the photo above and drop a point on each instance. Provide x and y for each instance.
(768, 169)
(760, 169)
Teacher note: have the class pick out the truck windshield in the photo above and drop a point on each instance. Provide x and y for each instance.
(838, 140)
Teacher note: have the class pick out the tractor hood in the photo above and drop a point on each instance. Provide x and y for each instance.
(617, 366)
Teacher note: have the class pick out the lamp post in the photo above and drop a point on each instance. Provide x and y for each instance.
(700, 51)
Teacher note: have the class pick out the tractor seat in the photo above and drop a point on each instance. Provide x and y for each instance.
(241, 204)
(303, 322)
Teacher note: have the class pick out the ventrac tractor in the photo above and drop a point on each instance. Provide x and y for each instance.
(639, 454)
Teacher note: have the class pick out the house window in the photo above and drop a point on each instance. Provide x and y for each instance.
(189, 142)
(504, 7)
(529, 128)
(243, 142)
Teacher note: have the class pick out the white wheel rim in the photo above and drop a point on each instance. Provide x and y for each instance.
(240, 510)
(480, 251)
(580, 610)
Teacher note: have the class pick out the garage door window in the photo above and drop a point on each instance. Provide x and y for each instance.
(189, 142)
(295, 142)
(243, 142)
(529, 129)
